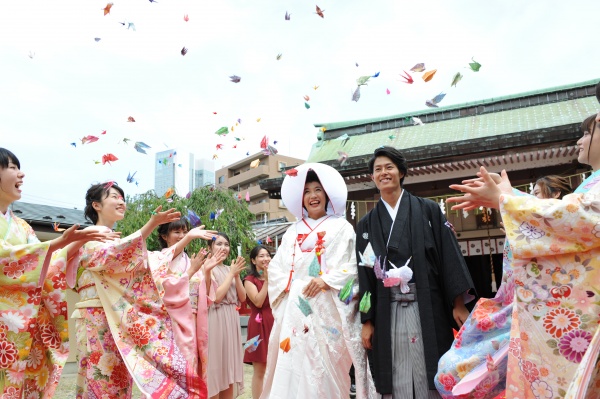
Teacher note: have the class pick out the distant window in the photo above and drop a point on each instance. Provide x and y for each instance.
(281, 204)
(221, 179)
(282, 166)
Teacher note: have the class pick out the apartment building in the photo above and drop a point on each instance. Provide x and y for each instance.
(243, 179)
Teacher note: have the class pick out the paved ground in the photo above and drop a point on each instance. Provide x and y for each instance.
(66, 386)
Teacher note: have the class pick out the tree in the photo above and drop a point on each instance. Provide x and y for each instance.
(234, 220)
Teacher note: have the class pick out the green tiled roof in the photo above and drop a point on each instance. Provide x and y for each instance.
(339, 125)
(458, 129)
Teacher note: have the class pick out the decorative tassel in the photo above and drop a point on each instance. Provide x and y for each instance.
(287, 288)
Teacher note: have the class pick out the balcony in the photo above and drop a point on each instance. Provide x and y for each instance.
(259, 208)
(256, 191)
(254, 174)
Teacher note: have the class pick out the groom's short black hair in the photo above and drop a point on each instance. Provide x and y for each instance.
(393, 154)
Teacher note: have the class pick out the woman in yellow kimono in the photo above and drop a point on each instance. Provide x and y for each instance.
(123, 329)
(555, 334)
(33, 307)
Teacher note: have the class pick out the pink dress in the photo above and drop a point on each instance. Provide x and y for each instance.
(225, 365)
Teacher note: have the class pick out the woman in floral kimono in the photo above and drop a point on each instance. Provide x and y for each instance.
(488, 327)
(184, 292)
(316, 335)
(123, 328)
(555, 334)
(33, 307)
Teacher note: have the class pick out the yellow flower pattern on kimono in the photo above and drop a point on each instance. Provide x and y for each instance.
(33, 313)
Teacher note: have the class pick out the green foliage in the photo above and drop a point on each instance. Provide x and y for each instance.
(233, 221)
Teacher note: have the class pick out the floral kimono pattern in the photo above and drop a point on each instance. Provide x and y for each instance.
(33, 313)
(125, 312)
(186, 301)
(556, 269)
(484, 332)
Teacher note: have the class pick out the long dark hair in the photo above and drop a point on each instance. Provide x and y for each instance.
(165, 229)
(551, 184)
(96, 193)
(589, 125)
(220, 233)
(253, 254)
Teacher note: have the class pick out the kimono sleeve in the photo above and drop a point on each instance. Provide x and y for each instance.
(98, 255)
(548, 227)
(367, 282)
(341, 258)
(279, 268)
(454, 274)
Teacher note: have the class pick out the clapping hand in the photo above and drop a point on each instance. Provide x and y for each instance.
(196, 262)
(214, 259)
(238, 266)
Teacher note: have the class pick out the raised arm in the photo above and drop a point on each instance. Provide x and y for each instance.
(258, 297)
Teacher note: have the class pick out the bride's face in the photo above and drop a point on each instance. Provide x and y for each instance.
(314, 200)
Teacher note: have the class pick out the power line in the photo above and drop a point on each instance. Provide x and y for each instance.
(35, 198)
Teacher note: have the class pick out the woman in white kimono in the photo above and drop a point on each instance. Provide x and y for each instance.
(316, 335)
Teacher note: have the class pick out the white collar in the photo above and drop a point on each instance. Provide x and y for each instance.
(393, 211)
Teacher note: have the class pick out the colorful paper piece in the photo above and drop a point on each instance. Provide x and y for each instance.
(304, 306)
(345, 294)
(474, 65)
(285, 345)
(314, 268)
(365, 303)
(252, 344)
(427, 76)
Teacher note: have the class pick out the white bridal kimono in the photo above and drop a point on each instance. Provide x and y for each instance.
(322, 345)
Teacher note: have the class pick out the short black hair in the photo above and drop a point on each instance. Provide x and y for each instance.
(394, 155)
(598, 92)
(6, 157)
(165, 229)
(96, 193)
(253, 254)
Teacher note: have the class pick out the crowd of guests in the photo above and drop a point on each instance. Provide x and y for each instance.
(383, 299)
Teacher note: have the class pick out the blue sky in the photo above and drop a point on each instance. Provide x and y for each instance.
(73, 86)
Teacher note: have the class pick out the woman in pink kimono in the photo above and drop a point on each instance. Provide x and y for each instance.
(184, 292)
(555, 334)
(124, 332)
(33, 307)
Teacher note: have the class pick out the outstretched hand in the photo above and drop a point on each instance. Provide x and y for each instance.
(168, 216)
(481, 192)
(72, 234)
(199, 232)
